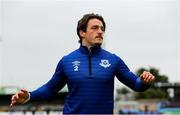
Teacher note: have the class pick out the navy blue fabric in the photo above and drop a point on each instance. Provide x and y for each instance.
(89, 92)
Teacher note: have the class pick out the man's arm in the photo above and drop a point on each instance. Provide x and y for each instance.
(131, 80)
(56, 83)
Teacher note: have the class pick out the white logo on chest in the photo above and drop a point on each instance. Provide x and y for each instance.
(76, 65)
(104, 63)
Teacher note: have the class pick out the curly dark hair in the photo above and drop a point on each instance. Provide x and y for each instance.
(82, 23)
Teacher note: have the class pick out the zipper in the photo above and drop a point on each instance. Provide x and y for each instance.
(90, 68)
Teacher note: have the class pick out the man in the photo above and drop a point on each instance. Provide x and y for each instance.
(89, 74)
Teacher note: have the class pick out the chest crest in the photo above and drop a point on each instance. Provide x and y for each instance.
(105, 63)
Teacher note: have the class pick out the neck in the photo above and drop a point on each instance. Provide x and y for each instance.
(91, 46)
(87, 45)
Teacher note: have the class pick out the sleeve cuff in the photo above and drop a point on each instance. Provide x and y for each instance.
(140, 86)
(29, 97)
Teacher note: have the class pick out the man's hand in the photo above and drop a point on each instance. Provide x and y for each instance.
(147, 77)
(20, 97)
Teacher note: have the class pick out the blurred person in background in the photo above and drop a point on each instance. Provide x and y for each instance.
(89, 73)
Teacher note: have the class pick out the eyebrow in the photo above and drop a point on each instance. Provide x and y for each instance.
(97, 26)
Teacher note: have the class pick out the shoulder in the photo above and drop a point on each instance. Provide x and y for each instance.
(112, 56)
(66, 58)
(109, 54)
(72, 54)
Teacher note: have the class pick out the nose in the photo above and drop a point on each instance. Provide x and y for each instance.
(100, 30)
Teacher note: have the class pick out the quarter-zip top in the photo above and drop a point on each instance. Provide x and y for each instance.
(90, 80)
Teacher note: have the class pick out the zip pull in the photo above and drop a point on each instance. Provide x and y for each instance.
(90, 50)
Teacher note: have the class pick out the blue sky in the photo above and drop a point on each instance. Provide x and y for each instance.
(37, 33)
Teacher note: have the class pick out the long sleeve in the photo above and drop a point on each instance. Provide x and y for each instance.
(56, 83)
(128, 78)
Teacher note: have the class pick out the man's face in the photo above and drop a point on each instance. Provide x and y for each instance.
(94, 33)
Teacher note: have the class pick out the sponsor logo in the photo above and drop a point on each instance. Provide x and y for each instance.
(76, 65)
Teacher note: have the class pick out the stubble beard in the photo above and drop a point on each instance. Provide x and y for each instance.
(97, 44)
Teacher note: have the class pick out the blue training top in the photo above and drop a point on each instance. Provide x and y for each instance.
(90, 80)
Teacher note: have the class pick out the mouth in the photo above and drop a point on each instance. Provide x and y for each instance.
(100, 37)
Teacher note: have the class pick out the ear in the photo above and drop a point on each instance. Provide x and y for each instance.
(82, 33)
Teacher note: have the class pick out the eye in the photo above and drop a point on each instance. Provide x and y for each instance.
(95, 27)
(102, 28)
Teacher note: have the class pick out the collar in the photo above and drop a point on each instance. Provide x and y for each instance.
(94, 49)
